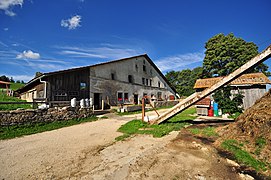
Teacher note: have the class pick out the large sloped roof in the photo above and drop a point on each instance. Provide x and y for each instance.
(84, 67)
(245, 79)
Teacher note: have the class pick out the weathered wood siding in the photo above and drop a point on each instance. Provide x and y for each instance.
(251, 94)
(66, 85)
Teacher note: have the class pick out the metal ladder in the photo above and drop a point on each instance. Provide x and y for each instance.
(197, 96)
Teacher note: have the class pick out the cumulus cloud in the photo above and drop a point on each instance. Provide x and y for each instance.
(179, 61)
(7, 6)
(71, 23)
(28, 55)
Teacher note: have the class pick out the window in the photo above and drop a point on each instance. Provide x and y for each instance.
(112, 76)
(144, 68)
(130, 78)
(120, 97)
(147, 82)
(159, 84)
(143, 81)
(150, 82)
(126, 97)
(159, 95)
(151, 72)
(83, 86)
(136, 67)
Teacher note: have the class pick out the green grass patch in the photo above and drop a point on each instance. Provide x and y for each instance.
(208, 131)
(139, 127)
(8, 132)
(242, 156)
(260, 144)
(188, 114)
(15, 86)
(5, 98)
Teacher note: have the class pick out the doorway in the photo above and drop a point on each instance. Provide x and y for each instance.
(135, 98)
(97, 104)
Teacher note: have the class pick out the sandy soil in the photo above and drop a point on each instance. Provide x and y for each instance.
(88, 151)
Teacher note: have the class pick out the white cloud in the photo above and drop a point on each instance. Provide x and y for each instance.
(28, 55)
(5, 29)
(179, 61)
(71, 23)
(7, 6)
(107, 51)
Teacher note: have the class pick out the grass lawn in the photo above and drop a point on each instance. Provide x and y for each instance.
(5, 98)
(8, 132)
(207, 131)
(173, 124)
(15, 86)
(243, 156)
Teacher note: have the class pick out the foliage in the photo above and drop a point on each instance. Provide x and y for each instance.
(241, 155)
(208, 131)
(227, 102)
(8, 132)
(226, 53)
(183, 81)
(139, 127)
(37, 74)
(7, 79)
(5, 98)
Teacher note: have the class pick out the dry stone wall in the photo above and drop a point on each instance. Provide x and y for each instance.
(17, 117)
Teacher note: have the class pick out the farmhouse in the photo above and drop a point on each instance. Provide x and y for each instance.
(252, 86)
(120, 81)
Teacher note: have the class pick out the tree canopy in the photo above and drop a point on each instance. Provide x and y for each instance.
(226, 53)
(183, 81)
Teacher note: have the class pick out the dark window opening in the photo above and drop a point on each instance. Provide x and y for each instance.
(147, 82)
(144, 68)
(130, 78)
(120, 97)
(112, 76)
(143, 81)
(150, 82)
(159, 95)
(159, 84)
(136, 67)
(126, 97)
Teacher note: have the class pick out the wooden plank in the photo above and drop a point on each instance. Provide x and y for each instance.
(192, 99)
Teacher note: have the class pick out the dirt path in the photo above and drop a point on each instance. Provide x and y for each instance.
(88, 151)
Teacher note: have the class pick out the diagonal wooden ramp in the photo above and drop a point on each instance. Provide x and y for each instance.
(192, 99)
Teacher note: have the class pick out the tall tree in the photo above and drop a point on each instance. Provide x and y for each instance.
(183, 81)
(226, 53)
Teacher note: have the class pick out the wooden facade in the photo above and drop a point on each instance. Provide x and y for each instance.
(64, 86)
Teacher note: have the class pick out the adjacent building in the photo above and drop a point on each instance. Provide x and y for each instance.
(252, 86)
(121, 81)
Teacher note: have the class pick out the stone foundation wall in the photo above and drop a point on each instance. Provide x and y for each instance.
(17, 117)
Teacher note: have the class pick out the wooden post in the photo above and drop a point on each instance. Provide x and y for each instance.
(143, 108)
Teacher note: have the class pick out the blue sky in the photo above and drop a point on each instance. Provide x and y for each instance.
(45, 36)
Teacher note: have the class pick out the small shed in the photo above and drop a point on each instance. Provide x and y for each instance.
(203, 106)
(252, 86)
